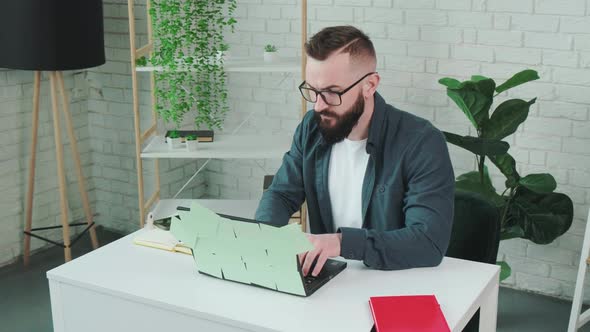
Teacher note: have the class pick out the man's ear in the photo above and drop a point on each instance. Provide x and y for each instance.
(370, 85)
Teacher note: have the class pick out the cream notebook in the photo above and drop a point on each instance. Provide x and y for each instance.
(160, 239)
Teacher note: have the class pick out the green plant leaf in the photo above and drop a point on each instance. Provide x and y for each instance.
(539, 183)
(507, 165)
(463, 106)
(505, 270)
(476, 145)
(450, 82)
(474, 98)
(506, 118)
(519, 78)
(477, 78)
(514, 231)
(471, 182)
(542, 217)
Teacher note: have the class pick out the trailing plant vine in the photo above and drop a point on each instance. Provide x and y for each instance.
(188, 39)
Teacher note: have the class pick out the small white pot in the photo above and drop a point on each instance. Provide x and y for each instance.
(270, 56)
(192, 145)
(174, 143)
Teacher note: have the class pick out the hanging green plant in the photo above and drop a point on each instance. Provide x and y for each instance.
(188, 39)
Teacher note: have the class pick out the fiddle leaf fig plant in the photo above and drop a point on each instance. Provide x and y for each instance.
(529, 208)
(188, 36)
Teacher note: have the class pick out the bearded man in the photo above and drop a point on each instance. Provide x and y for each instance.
(378, 181)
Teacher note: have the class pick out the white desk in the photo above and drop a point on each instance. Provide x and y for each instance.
(125, 287)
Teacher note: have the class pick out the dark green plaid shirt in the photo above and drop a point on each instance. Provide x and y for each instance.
(407, 194)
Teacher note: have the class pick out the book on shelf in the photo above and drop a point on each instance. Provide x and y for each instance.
(205, 136)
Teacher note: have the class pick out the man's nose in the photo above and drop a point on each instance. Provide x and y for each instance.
(320, 104)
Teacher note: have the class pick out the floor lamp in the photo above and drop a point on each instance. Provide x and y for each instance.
(52, 36)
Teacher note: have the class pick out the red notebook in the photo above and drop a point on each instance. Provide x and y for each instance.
(417, 313)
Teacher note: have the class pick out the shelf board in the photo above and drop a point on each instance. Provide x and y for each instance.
(248, 65)
(224, 147)
(241, 208)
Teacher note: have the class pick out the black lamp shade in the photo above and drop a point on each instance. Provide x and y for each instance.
(51, 34)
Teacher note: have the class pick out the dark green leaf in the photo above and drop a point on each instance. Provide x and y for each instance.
(518, 79)
(507, 165)
(474, 98)
(542, 217)
(540, 183)
(471, 182)
(458, 99)
(476, 145)
(511, 232)
(505, 270)
(450, 82)
(506, 118)
(477, 78)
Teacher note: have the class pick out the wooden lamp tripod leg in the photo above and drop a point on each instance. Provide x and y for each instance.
(31, 184)
(60, 167)
(76, 157)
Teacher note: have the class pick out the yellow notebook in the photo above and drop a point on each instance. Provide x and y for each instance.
(160, 239)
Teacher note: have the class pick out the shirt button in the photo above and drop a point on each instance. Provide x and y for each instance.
(381, 189)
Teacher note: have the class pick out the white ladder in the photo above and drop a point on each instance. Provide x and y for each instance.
(578, 318)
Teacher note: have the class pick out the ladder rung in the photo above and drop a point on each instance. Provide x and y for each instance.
(152, 199)
(144, 50)
(148, 133)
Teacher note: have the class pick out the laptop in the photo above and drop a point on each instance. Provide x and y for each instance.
(309, 283)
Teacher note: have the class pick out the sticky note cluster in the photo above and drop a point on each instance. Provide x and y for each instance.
(246, 252)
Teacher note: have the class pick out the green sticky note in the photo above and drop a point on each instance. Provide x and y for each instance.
(295, 239)
(225, 231)
(282, 258)
(261, 273)
(205, 257)
(232, 266)
(269, 236)
(248, 234)
(202, 220)
(288, 279)
(182, 233)
(288, 239)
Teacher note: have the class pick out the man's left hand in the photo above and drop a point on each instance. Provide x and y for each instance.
(326, 246)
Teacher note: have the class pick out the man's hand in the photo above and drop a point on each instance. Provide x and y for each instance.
(326, 246)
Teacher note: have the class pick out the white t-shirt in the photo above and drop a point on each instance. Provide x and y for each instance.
(348, 164)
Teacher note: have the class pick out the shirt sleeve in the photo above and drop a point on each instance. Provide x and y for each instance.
(286, 193)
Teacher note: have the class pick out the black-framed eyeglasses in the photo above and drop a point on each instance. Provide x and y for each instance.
(332, 98)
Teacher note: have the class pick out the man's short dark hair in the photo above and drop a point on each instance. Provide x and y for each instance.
(348, 38)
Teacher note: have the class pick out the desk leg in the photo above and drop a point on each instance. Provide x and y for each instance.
(56, 306)
(489, 308)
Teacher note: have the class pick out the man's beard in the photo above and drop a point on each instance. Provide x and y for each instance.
(343, 123)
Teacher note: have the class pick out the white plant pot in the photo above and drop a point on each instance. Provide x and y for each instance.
(174, 143)
(270, 56)
(192, 145)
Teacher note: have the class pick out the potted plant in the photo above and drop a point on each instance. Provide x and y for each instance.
(173, 139)
(528, 207)
(270, 53)
(192, 142)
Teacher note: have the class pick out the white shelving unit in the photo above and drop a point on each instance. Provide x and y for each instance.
(224, 147)
(246, 65)
(150, 145)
